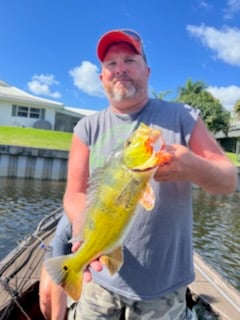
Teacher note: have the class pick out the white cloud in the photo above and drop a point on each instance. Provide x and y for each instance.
(226, 95)
(86, 78)
(233, 7)
(204, 4)
(225, 43)
(41, 85)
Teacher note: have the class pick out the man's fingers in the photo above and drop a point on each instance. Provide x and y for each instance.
(75, 246)
(87, 275)
(96, 266)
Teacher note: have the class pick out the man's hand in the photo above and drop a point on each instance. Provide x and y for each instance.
(95, 264)
(179, 167)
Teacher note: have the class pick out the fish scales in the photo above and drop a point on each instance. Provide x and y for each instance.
(110, 215)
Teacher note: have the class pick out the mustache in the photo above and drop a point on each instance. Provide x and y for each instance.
(122, 78)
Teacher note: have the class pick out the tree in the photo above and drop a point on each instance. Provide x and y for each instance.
(161, 95)
(212, 112)
(191, 87)
(236, 108)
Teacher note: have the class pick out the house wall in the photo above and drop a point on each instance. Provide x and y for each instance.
(7, 119)
(52, 114)
(6, 114)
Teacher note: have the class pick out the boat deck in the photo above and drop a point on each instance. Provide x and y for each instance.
(215, 291)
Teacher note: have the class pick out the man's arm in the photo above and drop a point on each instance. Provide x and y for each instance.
(205, 165)
(74, 200)
(75, 195)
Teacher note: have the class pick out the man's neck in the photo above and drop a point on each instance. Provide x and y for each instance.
(127, 106)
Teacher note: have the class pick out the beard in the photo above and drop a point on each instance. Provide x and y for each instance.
(120, 92)
(119, 95)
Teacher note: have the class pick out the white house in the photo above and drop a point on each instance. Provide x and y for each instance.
(19, 108)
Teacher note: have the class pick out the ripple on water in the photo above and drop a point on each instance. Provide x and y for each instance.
(23, 203)
(217, 234)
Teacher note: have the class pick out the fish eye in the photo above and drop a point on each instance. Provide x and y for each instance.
(128, 142)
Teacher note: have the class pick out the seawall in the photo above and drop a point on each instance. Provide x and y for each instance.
(37, 163)
(33, 163)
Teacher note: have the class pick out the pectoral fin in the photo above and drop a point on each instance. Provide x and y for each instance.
(148, 198)
(113, 261)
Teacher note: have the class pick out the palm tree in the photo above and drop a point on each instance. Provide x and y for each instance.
(236, 108)
(191, 87)
(161, 95)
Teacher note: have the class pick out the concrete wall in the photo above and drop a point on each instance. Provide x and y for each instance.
(33, 163)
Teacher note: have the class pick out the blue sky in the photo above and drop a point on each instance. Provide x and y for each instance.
(48, 47)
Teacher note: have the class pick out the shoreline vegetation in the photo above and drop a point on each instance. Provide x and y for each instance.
(48, 139)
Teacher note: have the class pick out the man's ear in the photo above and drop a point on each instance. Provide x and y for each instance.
(148, 71)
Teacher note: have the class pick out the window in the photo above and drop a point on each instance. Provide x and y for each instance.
(28, 112)
(22, 111)
(34, 113)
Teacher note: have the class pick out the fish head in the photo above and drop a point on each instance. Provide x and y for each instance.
(140, 153)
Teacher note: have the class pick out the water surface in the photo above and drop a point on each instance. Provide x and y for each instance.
(23, 203)
(217, 232)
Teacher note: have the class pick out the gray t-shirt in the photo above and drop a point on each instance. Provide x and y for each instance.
(158, 255)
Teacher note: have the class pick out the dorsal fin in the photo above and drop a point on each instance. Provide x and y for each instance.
(93, 184)
(96, 178)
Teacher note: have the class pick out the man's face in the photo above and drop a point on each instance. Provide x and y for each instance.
(124, 73)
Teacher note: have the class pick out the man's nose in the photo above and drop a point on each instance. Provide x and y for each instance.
(121, 67)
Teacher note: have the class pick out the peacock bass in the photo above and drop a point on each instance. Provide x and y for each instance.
(113, 195)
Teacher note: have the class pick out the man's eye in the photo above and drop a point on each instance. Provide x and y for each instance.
(112, 63)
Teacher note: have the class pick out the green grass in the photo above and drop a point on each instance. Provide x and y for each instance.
(233, 157)
(36, 138)
(48, 139)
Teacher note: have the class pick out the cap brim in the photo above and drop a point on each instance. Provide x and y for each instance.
(112, 37)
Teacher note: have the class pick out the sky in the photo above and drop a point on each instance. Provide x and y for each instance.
(48, 47)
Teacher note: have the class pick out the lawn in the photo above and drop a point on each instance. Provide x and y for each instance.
(48, 139)
(37, 138)
(234, 158)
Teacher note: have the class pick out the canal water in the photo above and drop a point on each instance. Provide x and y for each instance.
(216, 228)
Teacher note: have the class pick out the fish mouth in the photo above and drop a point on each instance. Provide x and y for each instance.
(150, 164)
(157, 144)
(144, 170)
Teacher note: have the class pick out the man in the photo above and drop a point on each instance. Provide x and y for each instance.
(158, 262)
(52, 297)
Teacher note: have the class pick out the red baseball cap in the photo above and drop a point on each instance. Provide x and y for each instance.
(123, 35)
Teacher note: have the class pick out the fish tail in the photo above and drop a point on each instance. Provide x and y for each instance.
(61, 270)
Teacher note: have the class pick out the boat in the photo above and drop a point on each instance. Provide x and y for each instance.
(210, 297)
(20, 272)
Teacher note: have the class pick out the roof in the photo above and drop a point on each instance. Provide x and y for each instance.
(13, 94)
(10, 93)
(84, 112)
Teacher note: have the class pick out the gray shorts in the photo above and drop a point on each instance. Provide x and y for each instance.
(99, 303)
